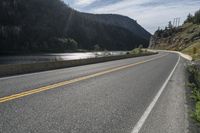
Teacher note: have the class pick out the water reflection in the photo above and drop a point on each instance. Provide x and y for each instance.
(55, 57)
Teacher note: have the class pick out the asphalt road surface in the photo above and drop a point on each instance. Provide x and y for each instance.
(110, 97)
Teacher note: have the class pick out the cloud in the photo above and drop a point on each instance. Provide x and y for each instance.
(100, 3)
(84, 2)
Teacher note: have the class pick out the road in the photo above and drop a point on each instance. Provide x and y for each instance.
(110, 97)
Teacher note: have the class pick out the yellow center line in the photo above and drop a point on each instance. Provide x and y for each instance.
(56, 85)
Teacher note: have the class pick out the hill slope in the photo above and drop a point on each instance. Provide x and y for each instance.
(39, 25)
(185, 38)
(121, 21)
(176, 38)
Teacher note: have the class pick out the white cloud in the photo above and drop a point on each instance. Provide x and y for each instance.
(83, 2)
(124, 4)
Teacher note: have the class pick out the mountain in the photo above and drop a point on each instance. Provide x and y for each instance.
(28, 26)
(121, 21)
(185, 38)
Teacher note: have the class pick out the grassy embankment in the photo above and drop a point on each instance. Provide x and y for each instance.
(194, 84)
(191, 32)
(193, 50)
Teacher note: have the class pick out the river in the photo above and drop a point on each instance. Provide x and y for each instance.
(24, 59)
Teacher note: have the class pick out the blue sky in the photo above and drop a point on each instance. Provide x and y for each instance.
(148, 13)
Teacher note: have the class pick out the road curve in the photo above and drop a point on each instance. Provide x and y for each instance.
(106, 97)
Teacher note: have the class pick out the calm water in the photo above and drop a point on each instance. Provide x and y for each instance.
(55, 57)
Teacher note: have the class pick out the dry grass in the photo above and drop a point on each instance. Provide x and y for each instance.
(190, 50)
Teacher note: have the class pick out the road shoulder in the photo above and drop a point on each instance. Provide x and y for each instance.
(170, 113)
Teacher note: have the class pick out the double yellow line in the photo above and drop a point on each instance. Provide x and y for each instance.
(56, 85)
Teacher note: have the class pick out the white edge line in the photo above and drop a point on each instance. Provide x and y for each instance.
(145, 115)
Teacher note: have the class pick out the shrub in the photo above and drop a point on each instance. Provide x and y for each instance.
(194, 79)
(196, 114)
(136, 51)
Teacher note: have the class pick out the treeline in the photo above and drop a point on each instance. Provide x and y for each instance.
(28, 26)
(195, 19)
(160, 33)
(167, 32)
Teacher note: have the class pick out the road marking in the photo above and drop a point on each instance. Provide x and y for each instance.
(145, 115)
(56, 85)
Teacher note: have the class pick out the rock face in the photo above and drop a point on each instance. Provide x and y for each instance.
(36, 25)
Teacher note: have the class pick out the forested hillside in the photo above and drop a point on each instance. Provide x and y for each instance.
(28, 26)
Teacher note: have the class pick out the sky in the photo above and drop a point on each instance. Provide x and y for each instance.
(150, 14)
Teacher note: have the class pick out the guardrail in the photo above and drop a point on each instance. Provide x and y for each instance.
(13, 69)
